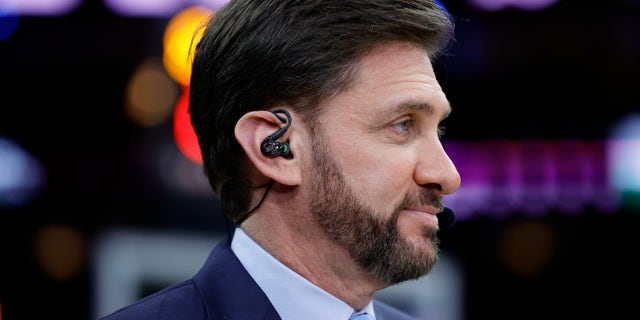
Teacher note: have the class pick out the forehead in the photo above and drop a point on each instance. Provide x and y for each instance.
(391, 58)
(393, 78)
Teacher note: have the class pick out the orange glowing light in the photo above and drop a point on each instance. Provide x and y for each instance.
(183, 31)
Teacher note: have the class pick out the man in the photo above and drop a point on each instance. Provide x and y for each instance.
(318, 122)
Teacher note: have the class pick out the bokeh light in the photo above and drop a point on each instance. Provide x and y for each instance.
(8, 23)
(41, 7)
(157, 8)
(495, 5)
(22, 177)
(183, 132)
(624, 159)
(144, 8)
(60, 251)
(150, 94)
(527, 247)
(180, 36)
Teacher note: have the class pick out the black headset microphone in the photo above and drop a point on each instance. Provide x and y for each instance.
(446, 218)
(273, 148)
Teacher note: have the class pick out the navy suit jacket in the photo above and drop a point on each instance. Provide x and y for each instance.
(222, 289)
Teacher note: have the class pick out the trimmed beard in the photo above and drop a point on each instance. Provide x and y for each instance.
(373, 242)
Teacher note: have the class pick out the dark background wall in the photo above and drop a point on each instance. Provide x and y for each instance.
(567, 72)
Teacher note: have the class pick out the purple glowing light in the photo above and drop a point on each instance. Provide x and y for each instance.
(146, 8)
(500, 177)
(158, 8)
(40, 7)
(495, 5)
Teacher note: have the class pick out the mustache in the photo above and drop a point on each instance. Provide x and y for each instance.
(424, 197)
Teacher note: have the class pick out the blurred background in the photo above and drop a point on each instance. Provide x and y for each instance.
(103, 200)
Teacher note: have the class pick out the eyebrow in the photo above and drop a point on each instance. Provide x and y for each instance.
(413, 105)
(408, 106)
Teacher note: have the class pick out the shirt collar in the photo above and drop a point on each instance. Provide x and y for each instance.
(293, 296)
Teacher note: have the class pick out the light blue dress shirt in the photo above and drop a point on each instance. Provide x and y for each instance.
(293, 296)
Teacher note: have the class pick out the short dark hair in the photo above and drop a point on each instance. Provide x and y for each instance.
(254, 53)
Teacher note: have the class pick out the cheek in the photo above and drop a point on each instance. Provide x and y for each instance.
(379, 180)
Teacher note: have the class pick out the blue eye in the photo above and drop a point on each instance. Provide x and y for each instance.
(403, 126)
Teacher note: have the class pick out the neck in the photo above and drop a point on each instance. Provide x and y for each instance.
(296, 240)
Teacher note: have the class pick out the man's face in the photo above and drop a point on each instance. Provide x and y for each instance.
(379, 167)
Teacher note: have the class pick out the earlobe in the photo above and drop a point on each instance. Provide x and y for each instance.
(258, 133)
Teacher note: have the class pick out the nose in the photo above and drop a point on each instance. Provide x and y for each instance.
(435, 167)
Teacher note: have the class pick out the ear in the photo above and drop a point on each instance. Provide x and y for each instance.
(251, 130)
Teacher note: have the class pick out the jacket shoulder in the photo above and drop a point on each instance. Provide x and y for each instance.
(178, 301)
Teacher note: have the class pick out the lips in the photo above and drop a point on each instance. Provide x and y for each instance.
(428, 215)
(425, 209)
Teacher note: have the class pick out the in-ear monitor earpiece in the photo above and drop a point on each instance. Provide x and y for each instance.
(272, 148)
